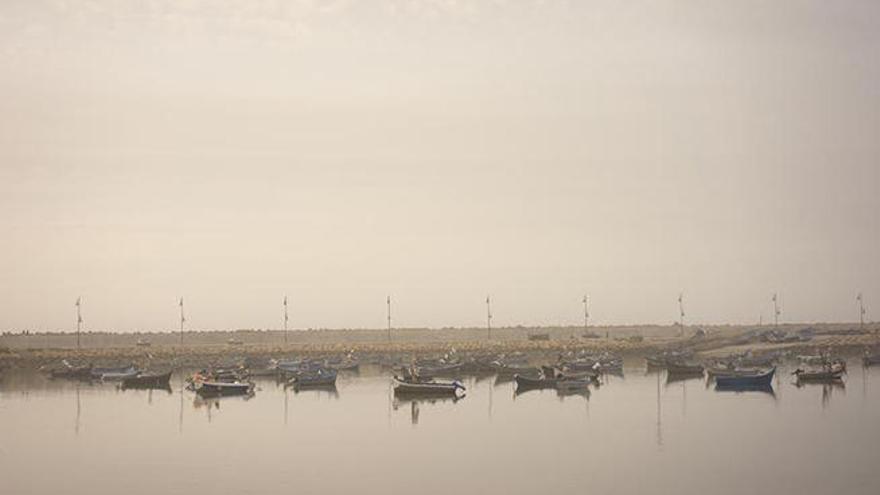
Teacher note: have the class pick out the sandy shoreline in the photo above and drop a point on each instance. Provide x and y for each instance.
(207, 348)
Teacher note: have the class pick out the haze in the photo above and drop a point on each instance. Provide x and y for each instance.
(232, 152)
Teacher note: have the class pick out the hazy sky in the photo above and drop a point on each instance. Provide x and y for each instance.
(231, 152)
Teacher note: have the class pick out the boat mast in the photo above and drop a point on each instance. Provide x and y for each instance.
(586, 313)
(776, 312)
(182, 320)
(489, 318)
(79, 319)
(285, 319)
(681, 313)
(861, 301)
(388, 301)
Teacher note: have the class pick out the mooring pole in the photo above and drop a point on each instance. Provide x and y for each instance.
(489, 318)
(586, 313)
(388, 301)
(285, 319)
(79, 320)
(861, 301)
(681, 313)
(776, 312)
(182, 320)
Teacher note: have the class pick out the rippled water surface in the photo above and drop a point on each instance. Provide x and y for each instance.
(635, 434)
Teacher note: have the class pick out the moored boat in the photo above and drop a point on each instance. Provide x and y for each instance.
(219, 389)
(72, 372)
(871, 360)
(319, 378)
(745, 380)
(820, 376)
(684, 369)
(427, 388)
(148, 380)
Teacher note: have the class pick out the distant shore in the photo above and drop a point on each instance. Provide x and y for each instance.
(205, 348)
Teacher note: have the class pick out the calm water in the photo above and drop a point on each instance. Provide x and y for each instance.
(637, 434)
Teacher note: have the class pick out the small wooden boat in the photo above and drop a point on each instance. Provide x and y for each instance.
(684, 369)
(728, 372)
(539, 337)
(427, 388)
(114, 372)
(871, 360)
(511, 370)
(222, 389)
(72, 373)
(143, 343)
(825, 375)
(569, 384)
(319, 378)
(148, 380)
(745, 380)
(530, 382)
(439, 369)
(117, 376)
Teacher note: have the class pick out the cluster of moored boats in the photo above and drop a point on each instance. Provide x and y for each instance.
(750, 371)
(571, 373)
(129, 376)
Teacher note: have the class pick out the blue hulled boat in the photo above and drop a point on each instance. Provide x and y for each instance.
(745, 381)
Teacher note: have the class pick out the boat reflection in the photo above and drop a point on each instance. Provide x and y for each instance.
(415, 403)
(681, 377)
(214, 402)
(329, 390)
(765, 389)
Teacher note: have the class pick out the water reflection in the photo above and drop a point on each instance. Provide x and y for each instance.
(739, 389)
(415, 403)
(487, 431)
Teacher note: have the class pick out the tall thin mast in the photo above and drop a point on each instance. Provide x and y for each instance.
(182, 320)
(285, 319)
(79, 320)
(586, 312)
(388, 301)
(681, 313)
(488, 318)
(776, 311)
(861, 301)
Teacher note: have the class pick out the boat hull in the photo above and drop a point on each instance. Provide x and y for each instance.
(149, 381)
(221, 389)
(755, 380)
(427, 389)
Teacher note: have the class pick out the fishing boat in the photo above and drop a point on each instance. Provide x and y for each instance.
(745, 380)
(871, 360)
(833, 374)
(439, 369)
(114, 372)
(319, 378)
(222, 389)
(72, 372)
(116, 376)
(529, 382)
(732, 372)
(427, 388)
(570, 384)
(684, 369)
(148, 380)
(511, 370)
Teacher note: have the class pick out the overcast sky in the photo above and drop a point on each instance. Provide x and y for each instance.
(232, 152)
